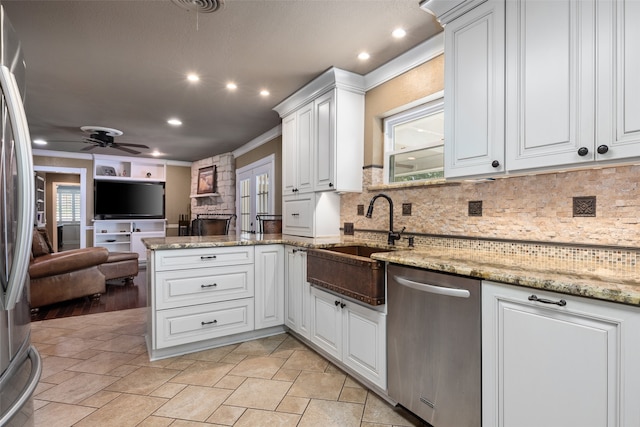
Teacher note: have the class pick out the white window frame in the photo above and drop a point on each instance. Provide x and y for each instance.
(266, 164)
(426, 106)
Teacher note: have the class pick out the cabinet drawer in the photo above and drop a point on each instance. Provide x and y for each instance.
(201, 286)
(202, 258)
(297, 215)
(197, 323)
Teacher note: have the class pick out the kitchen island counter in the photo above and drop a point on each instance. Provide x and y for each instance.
(616, 281)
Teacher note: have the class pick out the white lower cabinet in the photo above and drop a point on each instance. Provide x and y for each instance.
(297, 293)
(352, 333)
(557, 360)
(269, 286)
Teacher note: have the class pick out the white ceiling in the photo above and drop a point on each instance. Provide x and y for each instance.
(122, 64)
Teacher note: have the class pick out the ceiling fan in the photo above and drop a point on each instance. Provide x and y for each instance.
(104, 138)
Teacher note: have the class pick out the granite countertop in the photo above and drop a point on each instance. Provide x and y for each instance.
(573, 277)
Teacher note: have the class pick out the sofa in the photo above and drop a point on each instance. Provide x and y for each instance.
(61, 276)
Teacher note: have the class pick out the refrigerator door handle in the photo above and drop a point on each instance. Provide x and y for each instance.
(26, 198)
(30, 386)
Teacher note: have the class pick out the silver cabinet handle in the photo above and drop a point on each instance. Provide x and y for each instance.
(425, 287)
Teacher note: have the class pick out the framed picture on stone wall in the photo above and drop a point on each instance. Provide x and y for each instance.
(207, 180)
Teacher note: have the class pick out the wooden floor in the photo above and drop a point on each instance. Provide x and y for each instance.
(118, 297)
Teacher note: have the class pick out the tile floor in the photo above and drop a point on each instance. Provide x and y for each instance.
(97, 373)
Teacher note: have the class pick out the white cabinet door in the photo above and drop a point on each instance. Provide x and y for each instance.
(269, 286)
(325, 142)
(326, 322)
(557, 366)
(365, 342)
(474, 92)
(618, 107)
(289, 159)
(298, 215)
(304, 148)
(550, 83)
(297, 293)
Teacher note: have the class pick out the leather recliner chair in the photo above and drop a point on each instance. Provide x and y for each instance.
(61, 276)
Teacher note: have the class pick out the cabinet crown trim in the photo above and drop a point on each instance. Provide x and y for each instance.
(332, 78)
(446, 11)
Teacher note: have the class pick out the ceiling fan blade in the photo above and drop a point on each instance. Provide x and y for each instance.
(128, 150)
(131, 145)
(89, 140)
(89, 147)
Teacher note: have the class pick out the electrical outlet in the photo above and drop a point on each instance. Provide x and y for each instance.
(361, 210)
(348, 229)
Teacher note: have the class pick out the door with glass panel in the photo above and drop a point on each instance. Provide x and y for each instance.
(254, 193)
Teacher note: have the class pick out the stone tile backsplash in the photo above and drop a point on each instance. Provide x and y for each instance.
(536, 208)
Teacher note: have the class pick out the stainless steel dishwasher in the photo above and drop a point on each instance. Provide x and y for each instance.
(433, 345)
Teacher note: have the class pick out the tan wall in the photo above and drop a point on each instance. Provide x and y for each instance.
(272, 147)
(534, 207)
(177, 200)
(417, 83)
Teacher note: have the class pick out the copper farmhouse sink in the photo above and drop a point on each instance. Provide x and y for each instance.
(348, 270)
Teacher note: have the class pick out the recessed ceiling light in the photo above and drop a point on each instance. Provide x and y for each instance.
(174, 122)
(232, 86)
(264, 92)
(193, 77)
(411, 158)
(364, 56)
(399, 33)
(156, 153)
(40, 142)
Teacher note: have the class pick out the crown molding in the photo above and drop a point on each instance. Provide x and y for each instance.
(258, 141)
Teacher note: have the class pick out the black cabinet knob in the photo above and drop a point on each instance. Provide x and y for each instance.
(583, 151)
(602, 149)
(337, 303)
(331, 185)
(495, 163)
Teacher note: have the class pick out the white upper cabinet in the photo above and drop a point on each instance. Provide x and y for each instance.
(618, 68)
(326, 136)
(474, 92)
(550, 83)
(297, 137)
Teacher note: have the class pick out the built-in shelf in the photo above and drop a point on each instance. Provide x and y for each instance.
(128, 169)
(205, 195)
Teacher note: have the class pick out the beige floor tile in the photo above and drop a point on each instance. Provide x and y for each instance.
(291, 343)
(203, 373)
(123, 371)
(121, 343)
(287, 375)
(377, 410)
(59, 377)
(102, 362)
(37, 404)
(234, 358)
(293, 405)
(153, 421)
(231, 382)
(353, 395)
(324, 413)
(168, 390)
(258, 367)
(100, 399)
(259, 347)
(257, 418)
(125, 410)
(333, 369)
(211, 355)
(188, 404)
(350, 382)
(305, 360)
(282, 354)
(226, 415)
(87, 354)
(180, 364)
(77, 388)
(48, 335)
(60, 415)
(259, 394)
(69, 347)
(317, 385)
(184, 423)
(100, 333)
(143, 381)
(42, 387)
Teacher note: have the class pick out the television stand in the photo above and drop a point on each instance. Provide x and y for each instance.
(125, 235)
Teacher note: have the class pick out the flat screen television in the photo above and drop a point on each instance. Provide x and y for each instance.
(128, 200)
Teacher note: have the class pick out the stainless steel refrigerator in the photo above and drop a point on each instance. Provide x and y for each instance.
(20, 364)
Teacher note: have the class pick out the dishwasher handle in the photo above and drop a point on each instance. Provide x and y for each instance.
(425, 287)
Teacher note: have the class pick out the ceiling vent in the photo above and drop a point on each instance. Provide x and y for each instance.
(200, 6)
